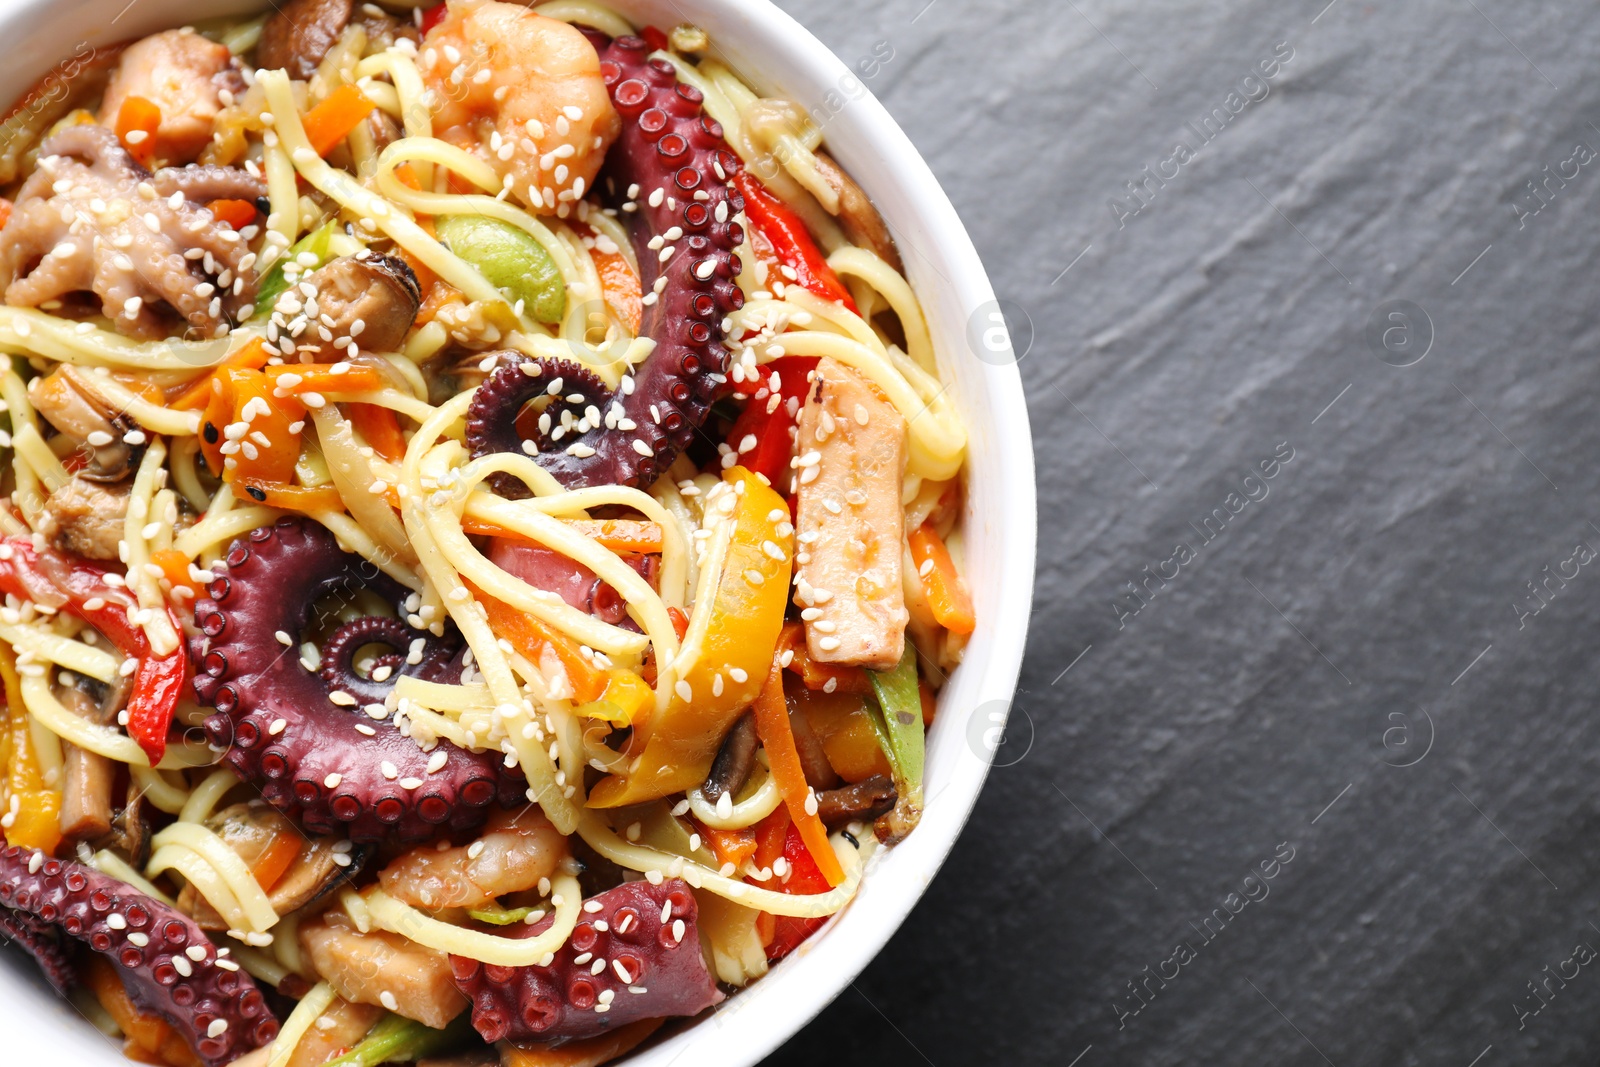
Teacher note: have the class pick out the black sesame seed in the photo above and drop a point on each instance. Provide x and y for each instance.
(211, 434)
(255, 494)
(848, 836)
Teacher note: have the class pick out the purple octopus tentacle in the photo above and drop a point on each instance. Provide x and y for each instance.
(646, 938)
(578, 402)
(671, 164)
(38, 939)
(339, 651)
(166, 962)
(326, 761)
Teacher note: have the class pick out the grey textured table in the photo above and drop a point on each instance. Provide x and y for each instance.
(1370, 675)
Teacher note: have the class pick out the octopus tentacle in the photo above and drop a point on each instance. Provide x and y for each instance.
(205, 182)
(577, 399)
(648, 942)
(37, 938)
(91, 218)
(338, 656)
(672, 162)
(315, 756)
(166, 962)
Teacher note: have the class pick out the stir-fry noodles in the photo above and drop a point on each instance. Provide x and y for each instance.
(480, 534)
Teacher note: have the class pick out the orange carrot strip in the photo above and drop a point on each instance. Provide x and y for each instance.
(323, 378)
(332, 120)
(772, 723)
(530, 636)
(379, 428)
(619, 535)
(275, 860)
(729, 846)
(236, 213)
(845, 678)
(137, 122)
(946, 593)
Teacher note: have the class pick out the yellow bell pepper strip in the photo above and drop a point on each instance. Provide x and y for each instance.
(736, 639)
(772, 724)
(38, 811)
(79, 587)
(946, 593)
(332, 120)
(898, 717)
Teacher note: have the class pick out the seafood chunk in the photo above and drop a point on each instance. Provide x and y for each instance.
(180, 72)
(514, 853)
(369, 298)
(526, 92)
(364, 967)
(86, 519)
(851, 526)
(91, 219)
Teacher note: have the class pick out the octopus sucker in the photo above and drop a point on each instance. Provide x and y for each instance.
(685, 236)
(635, 954)
(166, 962)
(91, 219)
(314, 742)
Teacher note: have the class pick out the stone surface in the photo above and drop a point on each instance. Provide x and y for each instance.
(1350, 672)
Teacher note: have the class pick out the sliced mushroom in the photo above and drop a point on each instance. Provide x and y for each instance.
(251, 830)
(860, 802)
(300, 34)
(68, 400)
(857, 215)
(86, 519)
(735, 759)
(819, 772)
(85, 794)
(130, 831)
(368, 297)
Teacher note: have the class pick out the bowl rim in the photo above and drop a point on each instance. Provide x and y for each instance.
(756, 1020)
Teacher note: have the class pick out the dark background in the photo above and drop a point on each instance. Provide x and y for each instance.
(1351, 672)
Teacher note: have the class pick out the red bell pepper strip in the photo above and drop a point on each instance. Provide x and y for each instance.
(804, 878)
(766, 424)
(781, 237)
(79, 587)
(432, 17)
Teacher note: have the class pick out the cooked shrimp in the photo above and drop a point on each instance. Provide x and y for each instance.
(182, 73)
(514, 853)
(525, 92)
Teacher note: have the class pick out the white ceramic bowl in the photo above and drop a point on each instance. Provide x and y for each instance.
(777, 53)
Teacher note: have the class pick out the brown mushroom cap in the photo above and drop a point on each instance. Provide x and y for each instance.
(378, 292)
(300, 35)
